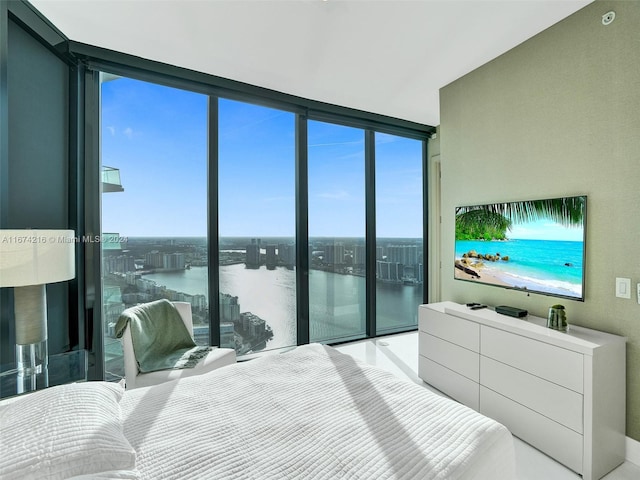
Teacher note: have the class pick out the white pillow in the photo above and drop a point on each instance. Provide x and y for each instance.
(64, 431)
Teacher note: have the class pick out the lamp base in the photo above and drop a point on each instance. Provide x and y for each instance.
(32, 362)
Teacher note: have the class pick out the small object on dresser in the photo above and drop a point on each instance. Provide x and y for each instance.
(557, 319)
(511, 311)
(478, 307)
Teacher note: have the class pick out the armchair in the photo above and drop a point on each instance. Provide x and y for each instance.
(218, 357)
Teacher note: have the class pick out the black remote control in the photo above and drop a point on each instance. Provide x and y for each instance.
(472, 304)
(478, 307)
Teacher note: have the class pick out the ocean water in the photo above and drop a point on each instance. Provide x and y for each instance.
(550, 266)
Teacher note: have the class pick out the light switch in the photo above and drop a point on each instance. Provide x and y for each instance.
(623, 287)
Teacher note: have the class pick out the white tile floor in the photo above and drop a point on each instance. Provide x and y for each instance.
(399, 355)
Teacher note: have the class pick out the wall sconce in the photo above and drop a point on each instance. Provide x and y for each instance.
(29, 259)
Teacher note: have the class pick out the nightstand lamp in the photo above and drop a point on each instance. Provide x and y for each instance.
(29, 259)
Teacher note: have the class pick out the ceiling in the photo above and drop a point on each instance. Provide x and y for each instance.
(387, 57)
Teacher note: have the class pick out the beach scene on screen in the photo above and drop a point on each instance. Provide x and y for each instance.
(538, 256)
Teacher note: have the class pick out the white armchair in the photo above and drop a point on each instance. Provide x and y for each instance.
(218, 357)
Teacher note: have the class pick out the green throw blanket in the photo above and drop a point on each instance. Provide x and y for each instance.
(161, 340)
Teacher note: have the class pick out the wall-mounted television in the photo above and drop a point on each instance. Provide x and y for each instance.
(536, 246)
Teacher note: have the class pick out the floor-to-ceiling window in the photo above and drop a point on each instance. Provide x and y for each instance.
(154, 203)
(399, 231)
(336, 186)
(180, 166)
(256, 222)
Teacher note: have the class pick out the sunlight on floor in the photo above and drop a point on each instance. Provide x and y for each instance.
(398, 354)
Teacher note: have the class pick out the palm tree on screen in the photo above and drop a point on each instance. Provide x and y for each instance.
(493, 220)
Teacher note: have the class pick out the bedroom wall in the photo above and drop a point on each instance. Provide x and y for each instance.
(35, 172)
(558, 115)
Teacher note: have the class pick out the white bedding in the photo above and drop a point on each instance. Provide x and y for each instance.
(311, 413)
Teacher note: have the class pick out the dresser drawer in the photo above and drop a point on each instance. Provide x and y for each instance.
(550, 437)
(460, 360)
(558, 365)
(448, 327)
(551, 400)
(449, 382)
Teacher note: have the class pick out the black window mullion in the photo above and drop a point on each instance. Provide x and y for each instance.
(425, 222)
(213, 240)
(302, 231)
(94, 334)
(370, 231)
(76, 322)
(4, 115)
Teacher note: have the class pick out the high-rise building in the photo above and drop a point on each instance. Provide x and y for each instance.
(252, 259)
(118, 264)
(229, 308)
(131, 278)
(405, 254)
(359, 257)
(227, 337)
(282, 251)
(334, 254)
(420, 273)
(287, 254)
(271, 257)
(389, 271)
(154, 259)
(199, 302)
(173, 261)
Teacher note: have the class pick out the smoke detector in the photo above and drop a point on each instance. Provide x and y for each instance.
(608, 17)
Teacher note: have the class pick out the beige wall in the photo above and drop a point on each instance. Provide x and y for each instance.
(558, 115)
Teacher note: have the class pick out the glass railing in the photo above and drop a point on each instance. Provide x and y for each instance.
(111, 180)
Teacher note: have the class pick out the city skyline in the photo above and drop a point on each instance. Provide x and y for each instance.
(157, 137)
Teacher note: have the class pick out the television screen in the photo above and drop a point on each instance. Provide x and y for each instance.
(536, 246)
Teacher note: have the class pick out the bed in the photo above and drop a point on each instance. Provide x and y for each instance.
(311, 413)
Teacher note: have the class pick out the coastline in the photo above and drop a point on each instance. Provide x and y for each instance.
(484, 278)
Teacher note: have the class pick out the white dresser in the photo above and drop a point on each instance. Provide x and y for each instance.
(563, 393)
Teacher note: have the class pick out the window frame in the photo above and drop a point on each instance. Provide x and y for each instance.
(95, 59)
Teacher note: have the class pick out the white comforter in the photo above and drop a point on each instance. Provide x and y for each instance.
(311, 413)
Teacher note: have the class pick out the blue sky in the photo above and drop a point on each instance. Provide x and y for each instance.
(157, 137)
(545, 230)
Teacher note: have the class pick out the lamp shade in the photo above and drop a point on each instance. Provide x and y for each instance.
(36, 257)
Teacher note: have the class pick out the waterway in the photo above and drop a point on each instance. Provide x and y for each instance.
(336, 306)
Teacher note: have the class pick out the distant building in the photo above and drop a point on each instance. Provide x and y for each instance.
(149, 286)
(131, 278)
(252, 259)
(420, 273)
(334, 254)
(227, 337)
(173, 261)
(154, 259)
(253, 324)
(405, 254)
(271, 258)
(118, 264)
(389, 271)
(359, 257)
(229, 308)
(199, 302)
